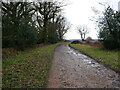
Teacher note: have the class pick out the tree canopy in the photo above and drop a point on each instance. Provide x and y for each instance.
(109, 26)
(28, 23)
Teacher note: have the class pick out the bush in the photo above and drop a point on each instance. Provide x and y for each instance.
(20, 37)
(75, 42)
(110, 42)
(88, 39)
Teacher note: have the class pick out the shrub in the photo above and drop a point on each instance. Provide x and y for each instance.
(110, 42)
(88, 39)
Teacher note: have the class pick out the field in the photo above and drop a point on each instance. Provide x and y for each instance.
(107, 57)
(29, 68)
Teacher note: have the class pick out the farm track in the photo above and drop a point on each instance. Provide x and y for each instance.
(72, 69)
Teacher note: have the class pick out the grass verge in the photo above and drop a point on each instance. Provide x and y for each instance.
(109, 58)
(29, 69)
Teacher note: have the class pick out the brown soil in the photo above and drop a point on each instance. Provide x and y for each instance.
(72, 69)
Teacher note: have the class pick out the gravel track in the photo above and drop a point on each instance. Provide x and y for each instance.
(72, 69)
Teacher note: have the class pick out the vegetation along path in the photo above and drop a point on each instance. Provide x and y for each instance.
(72, 69)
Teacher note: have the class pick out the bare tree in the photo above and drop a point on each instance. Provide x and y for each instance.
(83, 30)
(63, 26)
(46, 12)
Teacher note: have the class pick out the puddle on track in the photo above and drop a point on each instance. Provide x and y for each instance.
(87, 60)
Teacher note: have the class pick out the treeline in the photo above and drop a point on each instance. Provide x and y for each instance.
(109, 25)
(28, 23)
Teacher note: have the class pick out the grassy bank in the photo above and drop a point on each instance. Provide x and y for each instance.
(28, 69)
(109, 58)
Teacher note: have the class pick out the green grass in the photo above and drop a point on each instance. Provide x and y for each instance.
(29, 69)
(109, 58)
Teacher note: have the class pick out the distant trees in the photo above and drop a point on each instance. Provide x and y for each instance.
(27, 23)
(109, 26)
(83, 30)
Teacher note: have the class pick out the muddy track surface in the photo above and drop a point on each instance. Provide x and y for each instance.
(72, 69)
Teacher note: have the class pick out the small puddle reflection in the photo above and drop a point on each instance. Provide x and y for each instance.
(89, 62)
(95, 65)
(85, 60)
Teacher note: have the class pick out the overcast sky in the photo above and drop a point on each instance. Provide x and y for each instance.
(79, 12)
